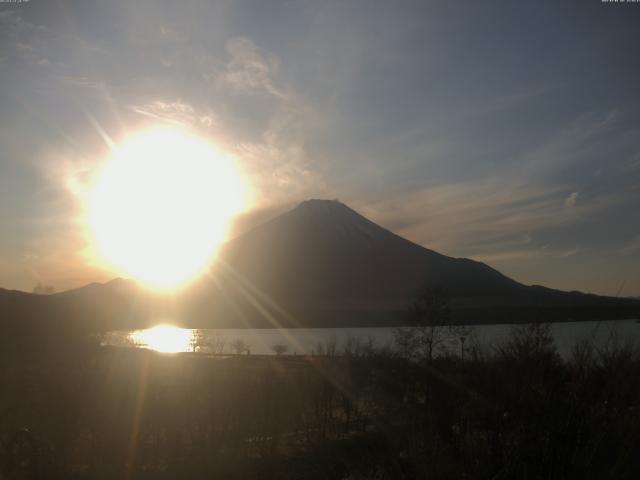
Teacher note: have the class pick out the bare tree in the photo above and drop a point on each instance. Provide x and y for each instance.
(239, 346)
(280, 349)
(429, 326)
(199, 341)
(218, 342)
(42, 289)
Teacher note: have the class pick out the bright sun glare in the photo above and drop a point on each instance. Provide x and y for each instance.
(164, 338)
(161, 205)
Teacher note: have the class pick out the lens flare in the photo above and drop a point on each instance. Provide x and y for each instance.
(161, 205)
(164, 338)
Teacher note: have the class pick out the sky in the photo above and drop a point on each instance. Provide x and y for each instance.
(507, 132)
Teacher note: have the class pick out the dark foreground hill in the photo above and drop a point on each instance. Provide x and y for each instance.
(320, 264)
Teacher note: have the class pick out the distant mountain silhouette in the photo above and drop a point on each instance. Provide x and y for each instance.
(320, 264)
(329, 265)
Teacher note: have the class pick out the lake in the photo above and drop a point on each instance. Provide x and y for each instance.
(309, 341)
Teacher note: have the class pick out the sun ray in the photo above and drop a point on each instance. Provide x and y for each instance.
(161, 205)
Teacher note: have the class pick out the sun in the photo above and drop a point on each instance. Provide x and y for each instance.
(161, 205)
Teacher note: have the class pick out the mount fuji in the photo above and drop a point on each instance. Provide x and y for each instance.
(319, 265)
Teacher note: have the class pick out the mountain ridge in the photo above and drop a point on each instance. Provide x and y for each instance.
(319, 264)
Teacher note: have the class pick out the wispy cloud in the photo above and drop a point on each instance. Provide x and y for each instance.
(490, 219)
(176, 112)
(275, 154)
(249, 69)
(471, 152)
(570, 201)
(631, 246)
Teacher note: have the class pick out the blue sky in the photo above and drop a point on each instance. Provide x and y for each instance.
(508, 132)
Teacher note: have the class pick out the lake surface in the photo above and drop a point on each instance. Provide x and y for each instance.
(309, 341)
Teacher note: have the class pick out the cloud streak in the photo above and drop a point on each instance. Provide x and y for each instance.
(461, 143)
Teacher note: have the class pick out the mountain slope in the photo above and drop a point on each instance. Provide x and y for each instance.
(326, 265)
(320, 264)
(324, 254)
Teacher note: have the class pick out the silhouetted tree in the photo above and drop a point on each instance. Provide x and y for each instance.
(218, 343)
(42, 289)
(429, 325)
(279, 349)
(200, 342)
(239, 346)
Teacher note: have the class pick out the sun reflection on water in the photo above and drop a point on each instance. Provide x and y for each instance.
(164, 338)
